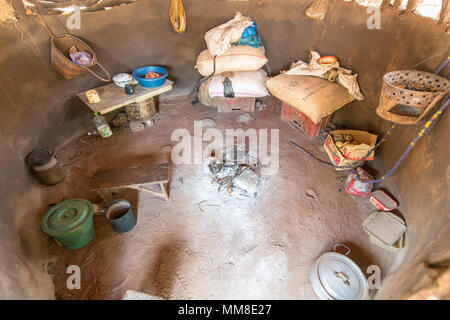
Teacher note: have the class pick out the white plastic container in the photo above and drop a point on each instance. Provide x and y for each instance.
(385, 230)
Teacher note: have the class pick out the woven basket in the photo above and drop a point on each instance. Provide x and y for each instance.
(60, 46)
(59, 52)
(203, 95)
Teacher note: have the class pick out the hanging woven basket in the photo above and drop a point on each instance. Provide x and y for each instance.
(69, 70)
(59, 53)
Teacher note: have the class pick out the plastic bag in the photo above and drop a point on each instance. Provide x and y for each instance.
(358, 188)
(250, 37)
(80, 58)
(317, 9)
(219, 39)
(177, 16)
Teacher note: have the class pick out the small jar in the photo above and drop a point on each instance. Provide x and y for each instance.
(45, 167)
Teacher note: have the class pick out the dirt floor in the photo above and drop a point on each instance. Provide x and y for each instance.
(207, 245)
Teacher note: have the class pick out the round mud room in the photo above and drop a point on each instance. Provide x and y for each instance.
(224, 150)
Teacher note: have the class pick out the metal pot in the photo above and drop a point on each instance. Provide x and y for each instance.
(45, 167)
(334, 276)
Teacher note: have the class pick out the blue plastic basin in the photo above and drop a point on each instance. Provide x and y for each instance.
(139, 75)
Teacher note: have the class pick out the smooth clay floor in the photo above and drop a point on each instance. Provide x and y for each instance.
(202, 244)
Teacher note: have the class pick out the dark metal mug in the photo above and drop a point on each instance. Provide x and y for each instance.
(129, 88)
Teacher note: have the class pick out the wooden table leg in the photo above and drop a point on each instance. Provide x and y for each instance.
(106, 195)
(165, 190)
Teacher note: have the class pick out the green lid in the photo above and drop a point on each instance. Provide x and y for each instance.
(66, 216)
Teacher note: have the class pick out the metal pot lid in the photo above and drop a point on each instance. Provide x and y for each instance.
(66, 216)
(39, 157)
(341, 278)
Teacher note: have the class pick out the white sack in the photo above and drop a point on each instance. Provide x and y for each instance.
(219, 39)
(344, 76)
(237, 58)
(245, 84)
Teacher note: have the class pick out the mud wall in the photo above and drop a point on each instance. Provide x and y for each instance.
(39, 107)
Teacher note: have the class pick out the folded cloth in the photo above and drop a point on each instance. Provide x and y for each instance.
(344, 76)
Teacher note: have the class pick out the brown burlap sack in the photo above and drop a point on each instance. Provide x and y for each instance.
(315, 97)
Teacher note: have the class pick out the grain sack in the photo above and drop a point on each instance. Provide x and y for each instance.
(312, 96)
(237, 58)
(241, 83)
(219, 39)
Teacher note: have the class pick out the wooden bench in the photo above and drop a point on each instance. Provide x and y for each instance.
(111, 181)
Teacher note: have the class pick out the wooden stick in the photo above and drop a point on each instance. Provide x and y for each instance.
(411, 6)
(444, 16)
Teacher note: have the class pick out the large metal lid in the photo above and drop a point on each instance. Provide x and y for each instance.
(340, 278)
(66, 216)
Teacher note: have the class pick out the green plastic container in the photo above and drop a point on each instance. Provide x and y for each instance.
(71, 223)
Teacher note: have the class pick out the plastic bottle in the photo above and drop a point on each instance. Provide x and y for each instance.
(102, 126)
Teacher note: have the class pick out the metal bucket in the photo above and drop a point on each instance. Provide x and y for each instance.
(120, 216)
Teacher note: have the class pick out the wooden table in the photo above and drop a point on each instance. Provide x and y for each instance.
(114, 97)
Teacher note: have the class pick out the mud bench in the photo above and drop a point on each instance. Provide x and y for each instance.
(144, 178)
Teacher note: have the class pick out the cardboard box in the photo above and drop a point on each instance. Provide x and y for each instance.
(350, 158)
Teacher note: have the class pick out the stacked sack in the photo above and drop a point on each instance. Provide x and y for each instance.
(232, 63)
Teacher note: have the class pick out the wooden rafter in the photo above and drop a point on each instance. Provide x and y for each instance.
(444, 16)
(411, 6)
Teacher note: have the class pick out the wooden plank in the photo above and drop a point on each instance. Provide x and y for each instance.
(114, 97)
(130, 177)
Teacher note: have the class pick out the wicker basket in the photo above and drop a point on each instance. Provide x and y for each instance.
(59, 52)
(60, 46)
(203, 95)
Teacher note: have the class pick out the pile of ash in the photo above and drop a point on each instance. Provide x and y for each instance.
(233, 171)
